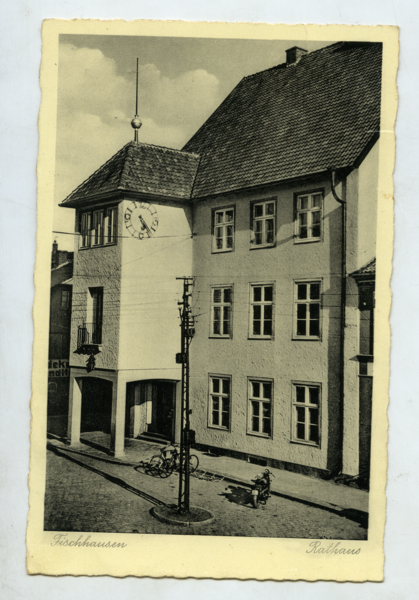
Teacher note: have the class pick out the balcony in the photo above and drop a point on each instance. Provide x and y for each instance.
(89, 338)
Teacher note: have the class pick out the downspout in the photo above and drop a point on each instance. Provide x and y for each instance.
(342, 202)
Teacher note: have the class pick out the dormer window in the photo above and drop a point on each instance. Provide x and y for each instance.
(98, 227)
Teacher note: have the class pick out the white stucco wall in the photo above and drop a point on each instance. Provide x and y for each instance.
(149, 319)
(282, 359)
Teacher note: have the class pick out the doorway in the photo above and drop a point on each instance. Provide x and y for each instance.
(162, 409)
(96, 405)
(150, 408)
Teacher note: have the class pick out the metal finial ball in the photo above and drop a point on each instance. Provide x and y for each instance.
(136, 122)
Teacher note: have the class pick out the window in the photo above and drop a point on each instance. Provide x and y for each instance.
(260, 403)
(366, 319)
(307, 311)
(223, 234)
(99, 227)
(86, 230)
(221, 311)
(263, 223)
(111, 225)
(95, 315)
(308, 216)
(219, 402)
(261, 310)
(306, 413)
(65, 299)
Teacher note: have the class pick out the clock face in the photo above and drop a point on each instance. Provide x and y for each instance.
(141, 219)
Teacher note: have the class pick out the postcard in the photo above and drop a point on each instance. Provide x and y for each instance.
(212, 340)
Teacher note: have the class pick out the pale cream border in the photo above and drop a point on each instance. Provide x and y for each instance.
(216, 557)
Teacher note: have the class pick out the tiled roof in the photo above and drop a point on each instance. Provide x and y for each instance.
(141, 168)
(368, 269)
(293, 120)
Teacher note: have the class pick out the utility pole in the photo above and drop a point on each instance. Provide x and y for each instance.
(186, 434)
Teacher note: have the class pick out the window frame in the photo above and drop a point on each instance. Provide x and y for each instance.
(307, 407)
(366, 296)
(95, 234)
(95, 313)
(261, 400)
(221, 395)
(64, 293)
(297, 211)
(221, 336)
(251, 335)
(222, 209)
(263, 218)
(296, 301)
(98, 227)
(110, 224)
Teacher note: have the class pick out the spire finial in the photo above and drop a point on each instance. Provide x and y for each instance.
(136, 122)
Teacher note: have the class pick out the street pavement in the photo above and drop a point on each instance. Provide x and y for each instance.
(87, 491)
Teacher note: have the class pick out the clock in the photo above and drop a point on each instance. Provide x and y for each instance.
(141, 219)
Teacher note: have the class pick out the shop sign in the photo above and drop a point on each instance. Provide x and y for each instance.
(58, 367)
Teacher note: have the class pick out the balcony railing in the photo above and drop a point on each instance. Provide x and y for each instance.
(88, 334)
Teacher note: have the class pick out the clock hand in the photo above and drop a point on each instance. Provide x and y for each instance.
(144, 224)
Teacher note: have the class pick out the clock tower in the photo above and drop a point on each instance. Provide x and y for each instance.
(134, 226)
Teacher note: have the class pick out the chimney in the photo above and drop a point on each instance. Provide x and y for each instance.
(294, 54)
(54, 257)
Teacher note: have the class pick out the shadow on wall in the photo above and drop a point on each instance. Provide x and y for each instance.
(332, 309)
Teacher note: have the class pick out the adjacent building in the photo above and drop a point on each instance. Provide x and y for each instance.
(59, 339)
(271, 207)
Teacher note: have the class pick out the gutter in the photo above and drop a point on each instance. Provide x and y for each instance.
(342, 202)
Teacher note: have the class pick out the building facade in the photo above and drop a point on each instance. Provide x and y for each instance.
(59, 339)
(270, 206)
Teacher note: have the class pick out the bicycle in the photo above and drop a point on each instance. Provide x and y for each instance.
(168, 461)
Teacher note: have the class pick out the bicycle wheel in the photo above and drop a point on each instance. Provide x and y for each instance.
(167, 468)
(193, 463)
(155, 465)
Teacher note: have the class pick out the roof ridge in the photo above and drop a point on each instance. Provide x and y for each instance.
(124, 169)
(304, 57)
(94, 174)
(165, 148)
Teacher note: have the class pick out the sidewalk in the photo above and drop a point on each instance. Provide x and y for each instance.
(339, 499)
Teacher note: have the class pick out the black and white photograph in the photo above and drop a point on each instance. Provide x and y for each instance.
(211, 308)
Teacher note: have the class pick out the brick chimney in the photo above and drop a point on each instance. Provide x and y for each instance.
(54, 256)
(294, 54)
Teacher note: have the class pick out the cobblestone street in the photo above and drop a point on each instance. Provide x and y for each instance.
(88, 494)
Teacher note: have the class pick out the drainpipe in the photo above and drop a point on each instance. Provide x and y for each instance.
(342, 202)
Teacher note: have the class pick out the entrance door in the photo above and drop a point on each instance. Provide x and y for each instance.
(162, 409)
(165, 412)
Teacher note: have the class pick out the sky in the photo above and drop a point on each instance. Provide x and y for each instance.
(181, 82)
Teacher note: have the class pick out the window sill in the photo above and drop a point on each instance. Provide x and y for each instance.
(222, 251)
(95, 246)
(259, 435)
(261, 246)
(301, 338)
(306, 240)
(218, 428)
(365, 358)
(304, 443)
(220, 337)
(261, 337)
